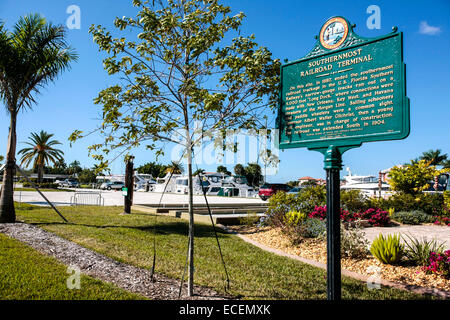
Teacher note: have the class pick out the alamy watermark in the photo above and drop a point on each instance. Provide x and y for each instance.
(74, 280)
(74, 19)
(374, 20)
(230, 148)
(374, 281)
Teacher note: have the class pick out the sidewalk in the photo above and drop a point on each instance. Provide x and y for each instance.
(440, 233)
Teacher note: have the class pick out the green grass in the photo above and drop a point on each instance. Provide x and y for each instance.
(26, 274)
(254, 273)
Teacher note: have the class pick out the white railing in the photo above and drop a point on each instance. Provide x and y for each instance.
(87, 199)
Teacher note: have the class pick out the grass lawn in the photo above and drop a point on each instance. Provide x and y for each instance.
(254, 273)
(26, 274)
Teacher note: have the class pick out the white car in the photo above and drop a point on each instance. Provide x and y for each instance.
(116, 185)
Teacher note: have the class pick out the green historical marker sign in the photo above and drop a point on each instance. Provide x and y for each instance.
(346, 91)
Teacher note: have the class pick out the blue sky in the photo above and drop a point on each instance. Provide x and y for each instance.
(287, 28)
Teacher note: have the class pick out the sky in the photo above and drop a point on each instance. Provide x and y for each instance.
(287, 28)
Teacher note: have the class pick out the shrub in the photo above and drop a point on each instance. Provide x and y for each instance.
(431, 203)
(354, 201)
(279, 204)
(43, 185)
(387, 250)
(353, 242)
(439, 263)
(310, 197)
(446, 196)
(304, 228)
(319, 212)
(442, 220)
(347, 216)
(412, 217)
(418, 251)
(313, 228)
(250, 219)
(376, 217)
(294, 218)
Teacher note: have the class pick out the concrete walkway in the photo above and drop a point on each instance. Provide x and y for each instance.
(440, 233)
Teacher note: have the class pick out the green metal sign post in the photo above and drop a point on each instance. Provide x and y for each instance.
(346, 91)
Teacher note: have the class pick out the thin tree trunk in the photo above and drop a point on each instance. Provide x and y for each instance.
(191, 219)
(7, 212)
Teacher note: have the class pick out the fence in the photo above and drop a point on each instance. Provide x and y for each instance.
(87, 199)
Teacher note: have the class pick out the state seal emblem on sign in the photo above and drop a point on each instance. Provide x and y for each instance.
(333, 33)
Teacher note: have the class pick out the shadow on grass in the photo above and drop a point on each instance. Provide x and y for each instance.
(166, 228)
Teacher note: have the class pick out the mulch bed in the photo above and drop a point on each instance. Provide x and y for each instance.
(133, 279)
(314, 249)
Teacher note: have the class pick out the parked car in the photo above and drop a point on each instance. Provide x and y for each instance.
(116, 185)
(69, 183)
(295, 190)
(269, 189)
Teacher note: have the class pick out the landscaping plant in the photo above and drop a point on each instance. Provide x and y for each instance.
(412, 217)
(439, 263)
(418, 251)
(353, 241)
(387, 250)
(376, 217)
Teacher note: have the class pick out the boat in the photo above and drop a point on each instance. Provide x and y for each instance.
(166, 184)
(216, 184)
(368, 184)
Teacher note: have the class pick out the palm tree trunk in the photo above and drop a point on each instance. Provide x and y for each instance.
(40, 173)
(7, 212)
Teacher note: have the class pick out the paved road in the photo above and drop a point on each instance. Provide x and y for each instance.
(115, 198)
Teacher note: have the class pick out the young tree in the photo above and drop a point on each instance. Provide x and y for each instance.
(41, 152)
(31, 56)
(184, 63)
(412, 178)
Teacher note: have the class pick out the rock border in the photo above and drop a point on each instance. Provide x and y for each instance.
(133, 279)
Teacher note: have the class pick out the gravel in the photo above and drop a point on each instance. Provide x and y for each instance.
(133, 279)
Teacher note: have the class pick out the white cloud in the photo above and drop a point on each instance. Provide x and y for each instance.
(425, 28)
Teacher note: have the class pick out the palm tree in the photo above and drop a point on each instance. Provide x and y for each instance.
(198, 171)
(175, 168)
(32, 55)
(446, 164)
(435, 157)
(41, 151)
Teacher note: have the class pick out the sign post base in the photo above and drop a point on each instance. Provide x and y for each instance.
(332, 166)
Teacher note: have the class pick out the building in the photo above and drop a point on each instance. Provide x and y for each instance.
(311, 180)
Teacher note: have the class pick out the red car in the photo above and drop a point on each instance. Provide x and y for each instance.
(269, 189)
